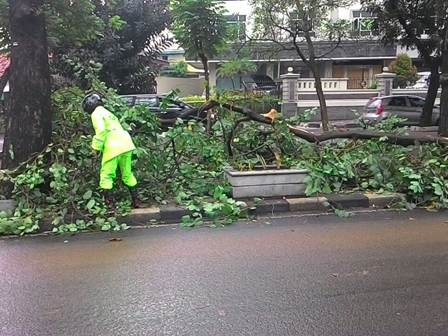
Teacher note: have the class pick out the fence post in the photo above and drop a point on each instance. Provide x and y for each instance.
(289, 92)
(385, 82)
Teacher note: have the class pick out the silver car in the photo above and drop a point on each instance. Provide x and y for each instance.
(405, 107)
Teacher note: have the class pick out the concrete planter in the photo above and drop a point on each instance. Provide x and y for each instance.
(266, 183)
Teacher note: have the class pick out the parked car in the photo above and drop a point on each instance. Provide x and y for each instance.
(405, 106)
(261, 83)
(174, 109)
(423, 81)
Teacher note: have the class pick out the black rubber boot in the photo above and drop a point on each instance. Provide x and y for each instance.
(134, 194)
(110, 200)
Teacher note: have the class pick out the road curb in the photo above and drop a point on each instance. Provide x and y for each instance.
(172, 213)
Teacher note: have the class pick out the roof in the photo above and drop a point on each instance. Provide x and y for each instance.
(173, 52)
(4, 63)
(192, 69)
(332, 50)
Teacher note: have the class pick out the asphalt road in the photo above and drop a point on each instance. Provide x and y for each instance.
(373, 274)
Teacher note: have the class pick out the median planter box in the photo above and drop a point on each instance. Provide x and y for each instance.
(266, 183)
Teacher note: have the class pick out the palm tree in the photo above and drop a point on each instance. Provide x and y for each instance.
(235, 67)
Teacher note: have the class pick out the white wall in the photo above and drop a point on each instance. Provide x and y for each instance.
(344, 13)
(187, 86)
(240, 7)
(212, 68)
(413, 53)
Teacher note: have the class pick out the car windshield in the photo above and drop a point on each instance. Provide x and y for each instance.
(150, 101)
(422, 79)
(262, 80)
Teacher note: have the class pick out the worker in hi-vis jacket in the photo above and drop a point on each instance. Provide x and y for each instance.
(117, 147)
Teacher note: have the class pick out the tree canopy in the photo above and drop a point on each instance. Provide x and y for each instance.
(125, 52)
(200, 27)
(67, 21)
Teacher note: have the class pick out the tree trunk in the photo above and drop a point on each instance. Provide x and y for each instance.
(443, 124)
(204, 61)
(322, 101)
(431, 96)
(28, 126)
(207, 80)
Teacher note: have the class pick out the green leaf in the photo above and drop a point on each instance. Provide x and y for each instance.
(218, 192)
(88, 195)
(192, 207)
(326, 189)
(198, 222)
(91, 204)
(105, 227)
(186, 219)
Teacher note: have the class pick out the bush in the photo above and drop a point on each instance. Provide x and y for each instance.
(404, 69)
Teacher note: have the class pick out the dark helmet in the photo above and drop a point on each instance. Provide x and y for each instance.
(91, 102)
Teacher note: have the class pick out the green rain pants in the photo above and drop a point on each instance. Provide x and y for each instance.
(109, 171)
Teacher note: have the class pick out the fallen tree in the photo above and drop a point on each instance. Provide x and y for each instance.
(248, 115)
(185, 165)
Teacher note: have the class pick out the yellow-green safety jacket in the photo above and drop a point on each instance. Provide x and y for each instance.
(110, 137)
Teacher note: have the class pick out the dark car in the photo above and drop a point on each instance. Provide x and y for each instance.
(407, 107)
(174, 108)
(261, 83)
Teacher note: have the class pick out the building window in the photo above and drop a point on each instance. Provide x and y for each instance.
(300, 24)
(363, 23)
(238, 22)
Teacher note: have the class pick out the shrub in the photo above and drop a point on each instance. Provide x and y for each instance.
(404, 69)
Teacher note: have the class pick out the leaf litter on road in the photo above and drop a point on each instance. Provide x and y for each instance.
(115, 239)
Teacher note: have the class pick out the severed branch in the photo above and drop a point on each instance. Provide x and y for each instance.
(395, 139)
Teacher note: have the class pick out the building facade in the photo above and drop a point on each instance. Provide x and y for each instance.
(358, 60)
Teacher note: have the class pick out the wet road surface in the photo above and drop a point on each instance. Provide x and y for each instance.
(373, 274)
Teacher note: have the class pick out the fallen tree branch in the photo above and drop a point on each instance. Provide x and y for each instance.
(232, 134)
(395, 139)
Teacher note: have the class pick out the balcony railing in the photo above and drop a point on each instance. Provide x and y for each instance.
(328, 84)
